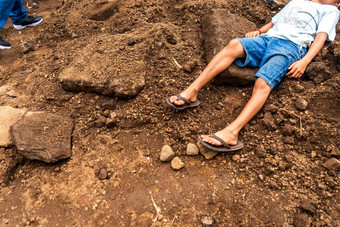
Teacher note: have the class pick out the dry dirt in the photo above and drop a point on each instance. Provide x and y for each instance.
(279, 179)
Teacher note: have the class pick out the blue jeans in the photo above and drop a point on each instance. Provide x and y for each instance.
(13, 9)
(271, 55)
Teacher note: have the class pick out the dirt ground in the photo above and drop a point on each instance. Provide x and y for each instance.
(278, 179)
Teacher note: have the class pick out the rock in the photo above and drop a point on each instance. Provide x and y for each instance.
(273, 185)
(275, 4)
(260, 152)
(318, 72)
(109, 122)
(208, 154)
(190, 66)
(287, 130)
(8, 116)
(207, 220)
(92, 71)
(192, 149)
(301, 104)
(100, 122)
(167, 154)
(307, 206)
(219, 27)
(289, 140)
(236, 158)
(283, 165)
(279, 118)
(102, 174)
(301, 220)
(43, 136)
(335, 152)
(269, 122)
(177, 163)
(271, 108)
(332, 164)
(26, 48)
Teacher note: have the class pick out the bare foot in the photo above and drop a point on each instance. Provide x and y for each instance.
(226, 135)
(190, 95)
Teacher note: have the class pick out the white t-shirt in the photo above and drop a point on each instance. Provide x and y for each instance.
(300, 20)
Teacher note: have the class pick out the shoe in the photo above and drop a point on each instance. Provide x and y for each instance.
(224, 147)
(187, 103)
(30, 21)
(4, 44)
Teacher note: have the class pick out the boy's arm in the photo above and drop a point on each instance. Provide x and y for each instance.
(257, 32)
(297, 69)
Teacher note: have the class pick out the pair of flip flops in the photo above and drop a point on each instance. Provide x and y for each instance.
(222, 148)
(187, 103)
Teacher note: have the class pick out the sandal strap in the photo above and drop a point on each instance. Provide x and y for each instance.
(220, 140)
(179, 97)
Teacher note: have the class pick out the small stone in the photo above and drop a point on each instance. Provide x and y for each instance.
(332, 164)
(301, 104)
(208, 154)
(109, 122)
(192, 149)
(177, 163)
(167, 154)
(207, 221)
(335, 152)
(308, 207)
(260, 152)
(236, 158)
(27, 48)
(269, 122)
(301, 220)
(283, 165)
(299, 88)
(313, 154)
(273, 185)
(102, 174)
(100, 122)
(287, 130)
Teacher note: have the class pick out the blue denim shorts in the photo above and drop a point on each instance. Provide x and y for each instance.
(271, 55)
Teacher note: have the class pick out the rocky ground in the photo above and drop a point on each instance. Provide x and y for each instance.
(286, 175)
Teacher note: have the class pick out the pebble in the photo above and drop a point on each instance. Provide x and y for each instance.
(167, 154)
(192, 149)
(207, 221)
(332, 164)
(102, 174)
(236, 158)
(301, 104)
(26, 48)
(307, 206)
(177, 163)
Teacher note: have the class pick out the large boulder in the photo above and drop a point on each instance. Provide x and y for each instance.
(110, 71)
(8, 116)
(43, 136)
(219, 27)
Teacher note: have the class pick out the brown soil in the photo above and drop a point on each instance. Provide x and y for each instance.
(278, 181)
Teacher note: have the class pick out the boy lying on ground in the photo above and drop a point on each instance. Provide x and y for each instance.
(284, 46)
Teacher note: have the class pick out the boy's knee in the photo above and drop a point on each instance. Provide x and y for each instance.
(236, 46)
(262, 85)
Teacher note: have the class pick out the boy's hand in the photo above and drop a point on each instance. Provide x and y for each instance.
(297, 69)
(252, 34)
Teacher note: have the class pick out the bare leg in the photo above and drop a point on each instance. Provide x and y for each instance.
(217, 65)
(230, 133)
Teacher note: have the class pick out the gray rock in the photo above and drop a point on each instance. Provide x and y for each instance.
(43, 136)
(332, 164)
(208, 154)
(219, 27)
(192, 149)
(207, 220)
(177, 163)
(167, 154)
(301, 104)
(8, 116)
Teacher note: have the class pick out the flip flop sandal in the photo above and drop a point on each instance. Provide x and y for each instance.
(224, 147)
(187, 103)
